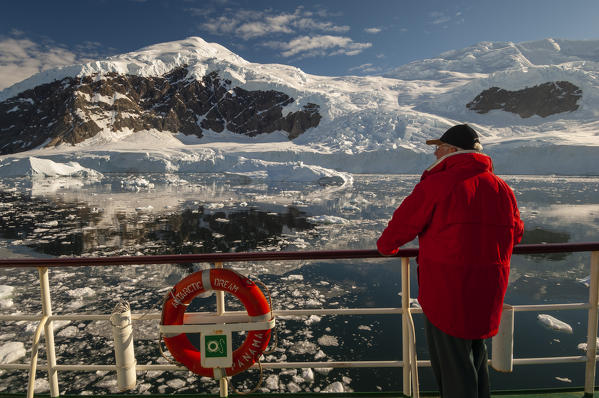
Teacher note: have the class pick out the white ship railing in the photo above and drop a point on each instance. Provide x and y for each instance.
(408, 362)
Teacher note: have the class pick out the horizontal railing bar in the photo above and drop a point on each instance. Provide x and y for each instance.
(31, 318)
(90, 368)
(17, 366)
(531, 361)
(158, 315)
(73, 317)
(197, 258)
(539, 361)
(297, 365)
(339, 311)
(167, 367)
(556, 248)
(264, 256)
(551, 307)
(308, 312)
(349, 364)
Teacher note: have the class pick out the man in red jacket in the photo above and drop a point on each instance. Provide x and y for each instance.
(467, 222)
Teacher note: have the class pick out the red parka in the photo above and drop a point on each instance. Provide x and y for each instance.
(467, 222)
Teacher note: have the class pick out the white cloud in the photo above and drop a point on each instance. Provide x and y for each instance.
(250, 24)
(199, 12)
(320, 45)
(439, 18)
(373, 30)
(309, 24)
(271, 24)
(256, 29)
(220, 25)
(21, 57)
(309, 27)
(365, 68)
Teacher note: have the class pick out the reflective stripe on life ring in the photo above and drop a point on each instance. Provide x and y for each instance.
(197, 283)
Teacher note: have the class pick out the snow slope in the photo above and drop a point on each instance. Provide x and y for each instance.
(369, 124)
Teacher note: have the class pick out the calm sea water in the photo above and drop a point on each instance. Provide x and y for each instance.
(157, 214)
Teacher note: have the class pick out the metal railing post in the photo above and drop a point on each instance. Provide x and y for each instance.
(220, 310)
(591, 363)
(49, 331)
(34, 351)
(124, 348)
(405, 327)
(220, 296)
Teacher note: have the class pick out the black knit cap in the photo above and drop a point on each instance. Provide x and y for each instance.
(462, 136)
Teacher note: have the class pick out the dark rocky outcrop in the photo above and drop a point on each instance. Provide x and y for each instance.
(74, 109)
(543, 100)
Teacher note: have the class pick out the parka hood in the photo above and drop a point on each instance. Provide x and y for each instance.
(468, 159)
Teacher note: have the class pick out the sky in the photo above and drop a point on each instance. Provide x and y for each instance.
(326, 37)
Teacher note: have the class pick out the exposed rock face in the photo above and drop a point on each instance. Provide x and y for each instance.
(543, 100)
(74, 109)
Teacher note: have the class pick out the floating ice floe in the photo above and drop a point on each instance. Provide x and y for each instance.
(41, 386)
(349, 208)
(31, 327)
(334, 387)
(81, 292)
(176, 383)
(295, 277)
(585, 281)
(328, 340)
(324, 219)
(311, 303)
(147, 208)
(136, 184)
(289, 171)
(173, 179)
(308, 375)
(37, 167)
(414, 303)
(12, 351)
(5, 296)
(583, 346)
(564, 379)
(303, 347)
(272, 382)
(554, 324)
(293, 387)
(69, 332)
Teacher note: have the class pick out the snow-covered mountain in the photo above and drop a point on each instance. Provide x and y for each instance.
(195, 106)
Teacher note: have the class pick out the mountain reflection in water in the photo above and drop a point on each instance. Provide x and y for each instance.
(64, 228)
(197, 231)
(540, 235)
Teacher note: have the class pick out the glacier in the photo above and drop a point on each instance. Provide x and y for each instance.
(372, 124)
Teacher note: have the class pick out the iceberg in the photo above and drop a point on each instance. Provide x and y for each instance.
(554, 324)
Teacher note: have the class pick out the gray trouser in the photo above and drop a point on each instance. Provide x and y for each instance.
(460, 365)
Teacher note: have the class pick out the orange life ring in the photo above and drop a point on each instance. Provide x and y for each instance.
(199, 282)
